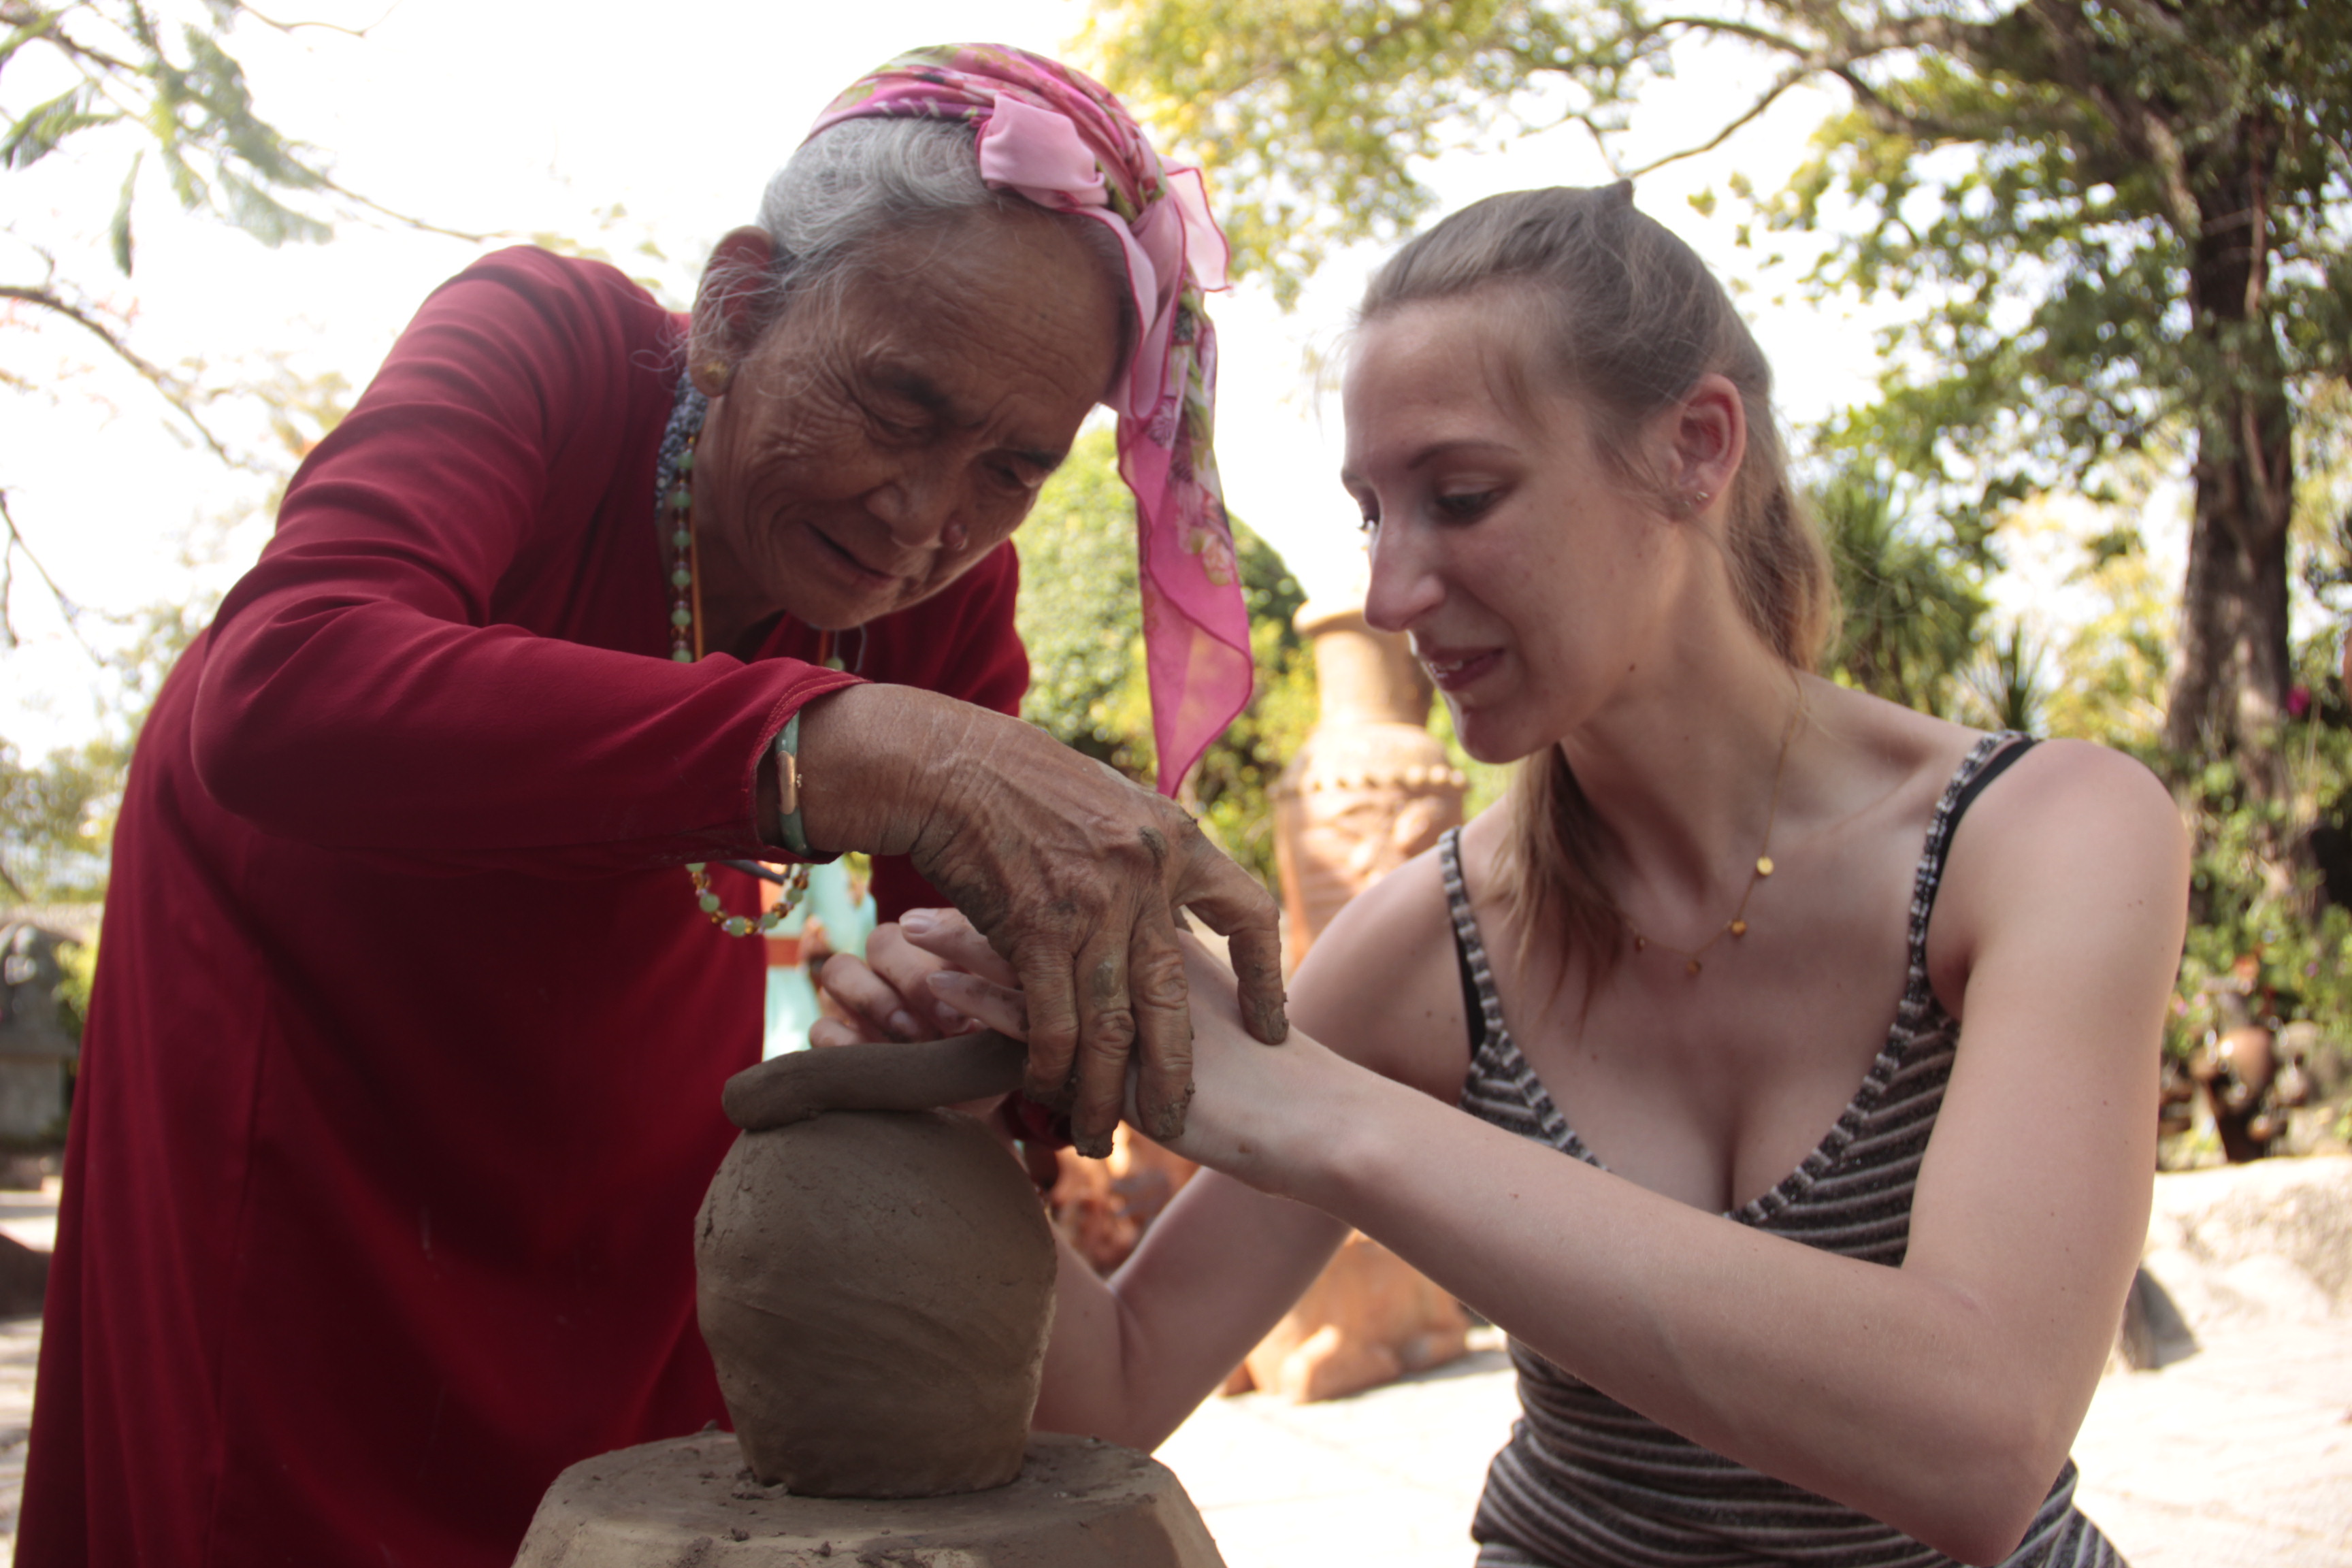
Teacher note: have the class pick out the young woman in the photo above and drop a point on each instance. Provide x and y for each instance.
(1786, 1060)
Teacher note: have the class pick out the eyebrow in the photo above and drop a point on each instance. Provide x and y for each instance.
(926, 394)
(1349, 478)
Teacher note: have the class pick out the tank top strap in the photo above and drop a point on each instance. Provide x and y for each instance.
(1480, 1004)
(1987, 761)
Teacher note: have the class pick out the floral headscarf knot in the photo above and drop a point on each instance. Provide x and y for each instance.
(1061, 140)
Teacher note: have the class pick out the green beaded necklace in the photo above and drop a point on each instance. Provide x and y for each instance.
(676, 512)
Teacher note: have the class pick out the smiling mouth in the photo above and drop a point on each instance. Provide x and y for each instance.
(1453, 672)
(858, 568)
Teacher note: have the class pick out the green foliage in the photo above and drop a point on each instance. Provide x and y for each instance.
(57, 815)
(2112, 663)
(1083, 624)
(2119, 224)
(1910, 604)
(2057, 258)
(78, 960)
(56, 818)
(176, 87)
(149, 87)
(2007, 685)
(1310, 115)
(1488, 781)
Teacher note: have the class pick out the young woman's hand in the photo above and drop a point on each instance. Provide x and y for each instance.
(1248, 1097)
(887, 995)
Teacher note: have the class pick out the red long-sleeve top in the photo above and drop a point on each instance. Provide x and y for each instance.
(400, 1083)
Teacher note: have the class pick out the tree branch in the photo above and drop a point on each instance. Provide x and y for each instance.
(329, 182)
(166, 383)
(1789, 78)
(272, 23)
(15, 545)
(1840, 58)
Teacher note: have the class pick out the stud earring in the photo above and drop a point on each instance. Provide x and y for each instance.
(718, 372)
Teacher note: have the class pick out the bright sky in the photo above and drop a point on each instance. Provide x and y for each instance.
(515, 116)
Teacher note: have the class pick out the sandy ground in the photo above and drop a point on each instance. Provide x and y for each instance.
(2237, 1455)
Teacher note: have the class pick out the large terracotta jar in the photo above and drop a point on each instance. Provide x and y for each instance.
(1371, 787)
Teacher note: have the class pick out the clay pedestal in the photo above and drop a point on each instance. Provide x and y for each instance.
(1077, 1503)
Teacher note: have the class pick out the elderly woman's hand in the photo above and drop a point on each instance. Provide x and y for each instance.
(1248, 1114)
(1072, 873)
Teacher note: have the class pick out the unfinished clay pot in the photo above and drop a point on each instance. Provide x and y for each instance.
(877, 1289)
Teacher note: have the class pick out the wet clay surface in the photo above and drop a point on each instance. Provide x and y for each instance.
(876, 1288)
(1077, 1503)
(915, 1076)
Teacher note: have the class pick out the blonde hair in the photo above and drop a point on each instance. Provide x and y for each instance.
(1625, 319)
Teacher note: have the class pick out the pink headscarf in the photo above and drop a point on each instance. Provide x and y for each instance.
(1064, 142)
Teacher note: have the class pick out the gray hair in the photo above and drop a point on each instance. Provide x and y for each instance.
(860, 184)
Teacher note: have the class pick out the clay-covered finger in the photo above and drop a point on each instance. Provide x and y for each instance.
(948, 935)
(1163, 1026)
(1105, 1042)
(1053, 1026)
(1230, 901)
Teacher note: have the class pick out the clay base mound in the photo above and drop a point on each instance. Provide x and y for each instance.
(1077, 1503)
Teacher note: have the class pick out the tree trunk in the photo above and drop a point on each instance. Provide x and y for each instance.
(2233, 669)
(2231, 681)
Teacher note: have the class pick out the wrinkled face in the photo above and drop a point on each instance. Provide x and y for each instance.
(1531, 580)
(863, 457)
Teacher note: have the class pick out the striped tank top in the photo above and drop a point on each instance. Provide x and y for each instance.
(1586, 1482)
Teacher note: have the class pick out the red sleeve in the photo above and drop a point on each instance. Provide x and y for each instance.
(455, 645)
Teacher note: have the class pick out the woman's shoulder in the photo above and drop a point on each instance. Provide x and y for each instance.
(2074, 839)
(1380, 985)
(2065, 790)
(523, 291)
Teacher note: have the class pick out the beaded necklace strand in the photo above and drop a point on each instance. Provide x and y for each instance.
(674, 516)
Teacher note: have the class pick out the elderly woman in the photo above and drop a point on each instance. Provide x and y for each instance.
(1778, 1066)
(401, 1081)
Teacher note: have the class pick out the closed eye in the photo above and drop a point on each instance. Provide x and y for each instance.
(1465, 506)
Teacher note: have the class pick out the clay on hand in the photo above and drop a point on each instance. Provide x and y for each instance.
(877, 1289)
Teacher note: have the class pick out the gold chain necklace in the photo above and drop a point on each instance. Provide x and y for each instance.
(1737, 926)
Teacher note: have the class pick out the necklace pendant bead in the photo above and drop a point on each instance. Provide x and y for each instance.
(1738, 928)
(1693, 968)
(1763, 865)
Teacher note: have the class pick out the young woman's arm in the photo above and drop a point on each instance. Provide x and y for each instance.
(1940, 1396)
(1132, 1356)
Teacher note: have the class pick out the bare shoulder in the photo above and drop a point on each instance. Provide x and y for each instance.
(2072, 796)
(1380, 987)
(2073, 844)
